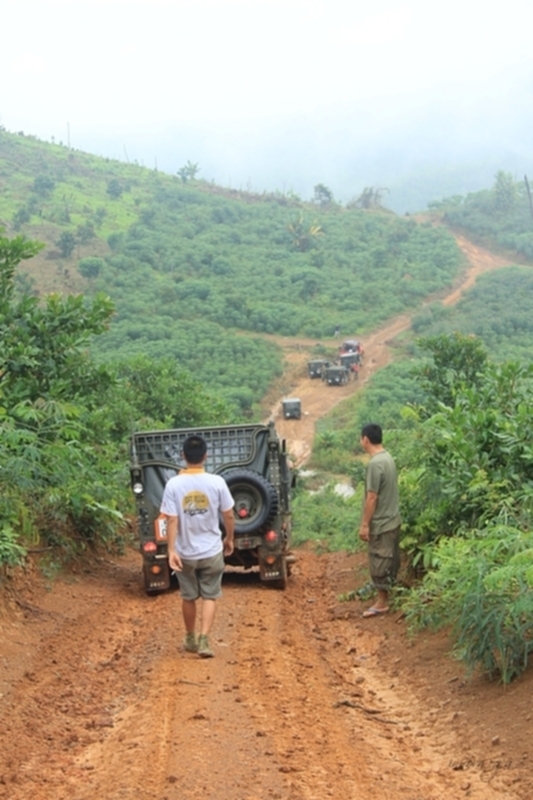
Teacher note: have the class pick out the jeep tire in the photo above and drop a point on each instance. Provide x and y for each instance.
(256, 500)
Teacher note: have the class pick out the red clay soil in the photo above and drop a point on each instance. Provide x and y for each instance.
(304, 699)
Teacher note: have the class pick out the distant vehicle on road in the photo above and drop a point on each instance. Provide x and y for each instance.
(292, 408)
(316, 367)
(336, 375)
(352, 346)
(350, 360)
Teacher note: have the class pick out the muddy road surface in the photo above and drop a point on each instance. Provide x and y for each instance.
(304, 699)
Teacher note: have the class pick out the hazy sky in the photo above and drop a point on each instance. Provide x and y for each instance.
(245, 86)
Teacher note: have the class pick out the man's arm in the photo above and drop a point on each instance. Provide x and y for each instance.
(229, 524)
(371, 501)
(172, 534)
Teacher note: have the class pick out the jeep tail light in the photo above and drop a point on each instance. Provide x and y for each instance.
(149, 547)
(271, 537)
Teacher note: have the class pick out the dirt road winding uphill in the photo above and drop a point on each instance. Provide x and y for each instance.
(318, 399)
(304, 699)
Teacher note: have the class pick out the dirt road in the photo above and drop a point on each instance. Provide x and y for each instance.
(304, 699)
(318, 399)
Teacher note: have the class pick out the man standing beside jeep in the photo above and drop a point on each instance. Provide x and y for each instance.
(193, 501)
(380, 521)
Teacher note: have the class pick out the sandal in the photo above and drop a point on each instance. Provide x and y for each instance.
(375, 612)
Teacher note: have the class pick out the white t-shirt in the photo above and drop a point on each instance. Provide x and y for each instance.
(197, 497)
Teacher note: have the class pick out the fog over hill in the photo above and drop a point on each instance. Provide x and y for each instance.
(424, 99)
(421, 146)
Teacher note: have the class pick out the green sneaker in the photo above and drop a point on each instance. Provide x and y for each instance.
(190, 645)
(203, 649)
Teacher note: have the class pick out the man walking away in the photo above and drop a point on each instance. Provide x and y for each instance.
(380, 519)
(192, 502)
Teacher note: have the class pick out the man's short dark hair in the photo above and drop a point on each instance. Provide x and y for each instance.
(194, 448)
(373, 433)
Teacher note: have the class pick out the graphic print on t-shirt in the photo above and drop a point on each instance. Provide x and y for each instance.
(194, 503)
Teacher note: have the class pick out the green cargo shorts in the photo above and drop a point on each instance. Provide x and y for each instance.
(202, 578)
(384, 558)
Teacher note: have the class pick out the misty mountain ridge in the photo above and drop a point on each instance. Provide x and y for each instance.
(444, 140)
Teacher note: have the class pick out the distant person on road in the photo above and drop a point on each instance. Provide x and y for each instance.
(192, 502)
(380, 518)
(337, 331)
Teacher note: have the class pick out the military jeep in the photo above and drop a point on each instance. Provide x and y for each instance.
(350, 360)
(292, 408)
(253, 461)
(316, 367)
(352, 346)
(336, 375)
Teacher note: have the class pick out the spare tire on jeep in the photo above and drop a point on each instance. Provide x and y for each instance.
(256, 500)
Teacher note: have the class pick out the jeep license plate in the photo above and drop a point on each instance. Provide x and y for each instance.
(272, 573)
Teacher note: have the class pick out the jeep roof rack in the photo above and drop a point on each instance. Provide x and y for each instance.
(226, 445)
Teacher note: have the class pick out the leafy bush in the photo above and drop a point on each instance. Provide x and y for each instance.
(480, 451)
(483, 591)
(116, 240)
(21, 216)
(90, 267)
(43, 185)
(11, 552)
(64, 421)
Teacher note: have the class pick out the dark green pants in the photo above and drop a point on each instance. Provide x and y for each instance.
(384, 558)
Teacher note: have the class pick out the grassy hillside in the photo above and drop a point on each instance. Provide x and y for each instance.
(190, 265)
(47, 190)
(499, 310)
(501, 216)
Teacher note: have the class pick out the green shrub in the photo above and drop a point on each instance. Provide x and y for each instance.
(12, 552)
(327, 518)
(482, 590)
(90, 267)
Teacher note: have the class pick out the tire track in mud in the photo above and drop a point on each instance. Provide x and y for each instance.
(314, 685)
